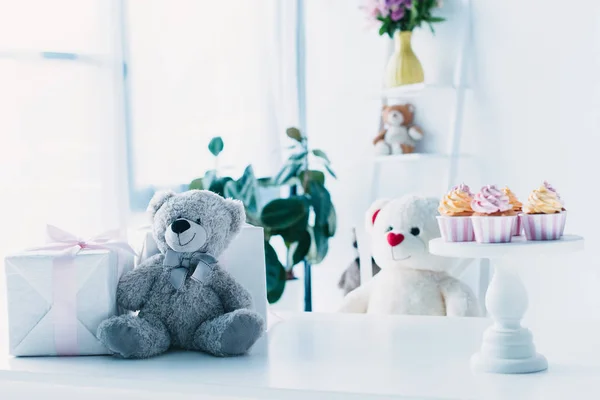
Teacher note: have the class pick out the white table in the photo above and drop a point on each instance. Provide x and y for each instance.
(327, 356)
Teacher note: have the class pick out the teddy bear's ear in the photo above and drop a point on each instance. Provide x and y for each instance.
(373, 212)
(410, 107)
(158, 200)
(238, 214)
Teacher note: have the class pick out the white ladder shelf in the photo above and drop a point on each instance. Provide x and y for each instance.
(452, 155)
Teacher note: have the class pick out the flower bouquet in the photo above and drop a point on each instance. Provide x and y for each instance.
(398, 19)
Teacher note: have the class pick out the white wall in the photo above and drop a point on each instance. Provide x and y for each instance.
(536, 71)
(532, 114)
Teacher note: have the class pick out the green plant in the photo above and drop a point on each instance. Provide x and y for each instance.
(211, 179)
(305, 219)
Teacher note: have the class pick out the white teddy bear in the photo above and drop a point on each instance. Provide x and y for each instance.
(412, 280)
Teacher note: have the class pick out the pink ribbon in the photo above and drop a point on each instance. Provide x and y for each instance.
(64, 280)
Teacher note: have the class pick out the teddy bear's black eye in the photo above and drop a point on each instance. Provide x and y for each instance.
(415, 231)
(390, 228)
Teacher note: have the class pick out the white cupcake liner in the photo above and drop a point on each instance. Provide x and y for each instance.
(493, 229)
(544, 226)
(456, 229)
(517, 227)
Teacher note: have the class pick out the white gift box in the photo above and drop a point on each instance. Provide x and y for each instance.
(56, 299)
(244, 259)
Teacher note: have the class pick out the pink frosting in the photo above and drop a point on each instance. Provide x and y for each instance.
(490, 200)
(463, 188)
(550, 188)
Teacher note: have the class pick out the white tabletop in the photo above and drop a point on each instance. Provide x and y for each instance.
(333, 356)
(518, 247)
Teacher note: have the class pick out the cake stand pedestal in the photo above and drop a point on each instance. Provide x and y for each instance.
(507, 347)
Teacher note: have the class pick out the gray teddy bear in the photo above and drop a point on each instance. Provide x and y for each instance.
(185, 299)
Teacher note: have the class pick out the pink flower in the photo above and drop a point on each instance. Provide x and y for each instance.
(397, 13)
(396, 9)
(373, 8)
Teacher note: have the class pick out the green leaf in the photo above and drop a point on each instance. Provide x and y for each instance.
(414, 14)
(384, 29)
(390, 30)
(435, 19)
(265, 182)
(301, 249)
(431, 27)
(196, 184)
(288, 171)
(320, 245)
(293, 233)
(316, 176)
(321, 154)
(276, 275)
(328, 168)
(298, 156)
(294, 133)
(320, 200)
(244, 189)
(209, 177)
(331, 222)
(215, 146)
(282, 214)
(218, 185)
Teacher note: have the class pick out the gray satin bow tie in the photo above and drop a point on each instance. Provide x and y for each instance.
(181, 264)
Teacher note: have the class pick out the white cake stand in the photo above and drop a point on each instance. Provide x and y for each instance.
(507, 347)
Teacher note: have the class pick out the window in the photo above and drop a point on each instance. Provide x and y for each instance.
(60, 127)
(199, 69)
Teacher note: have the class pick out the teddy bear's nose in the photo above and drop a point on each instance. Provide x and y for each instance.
(394, 239)
(180, 226)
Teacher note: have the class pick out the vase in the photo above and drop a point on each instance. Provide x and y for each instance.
(403, 67)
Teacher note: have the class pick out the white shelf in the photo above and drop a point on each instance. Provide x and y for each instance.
(404, 91)
(518, 247)
(415, 157)
(415, 90)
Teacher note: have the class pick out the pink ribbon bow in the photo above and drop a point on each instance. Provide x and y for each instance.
(64, 279)
(59, 239)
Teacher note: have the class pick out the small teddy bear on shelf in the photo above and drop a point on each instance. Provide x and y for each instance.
(412, 281)
(400, 134)
(185, 299)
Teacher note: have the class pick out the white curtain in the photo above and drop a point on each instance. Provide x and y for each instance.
(201, 69)
(60, 124)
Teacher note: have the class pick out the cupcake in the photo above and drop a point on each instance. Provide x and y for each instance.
(544, 214)
(493, 217)
(455, 212)
(517, 207)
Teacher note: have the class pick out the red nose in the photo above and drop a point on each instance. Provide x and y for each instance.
(394, 239)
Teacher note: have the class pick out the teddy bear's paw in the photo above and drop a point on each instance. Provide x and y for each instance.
(119, 336)
(382, 148)
(245, 327)
(128, 336)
